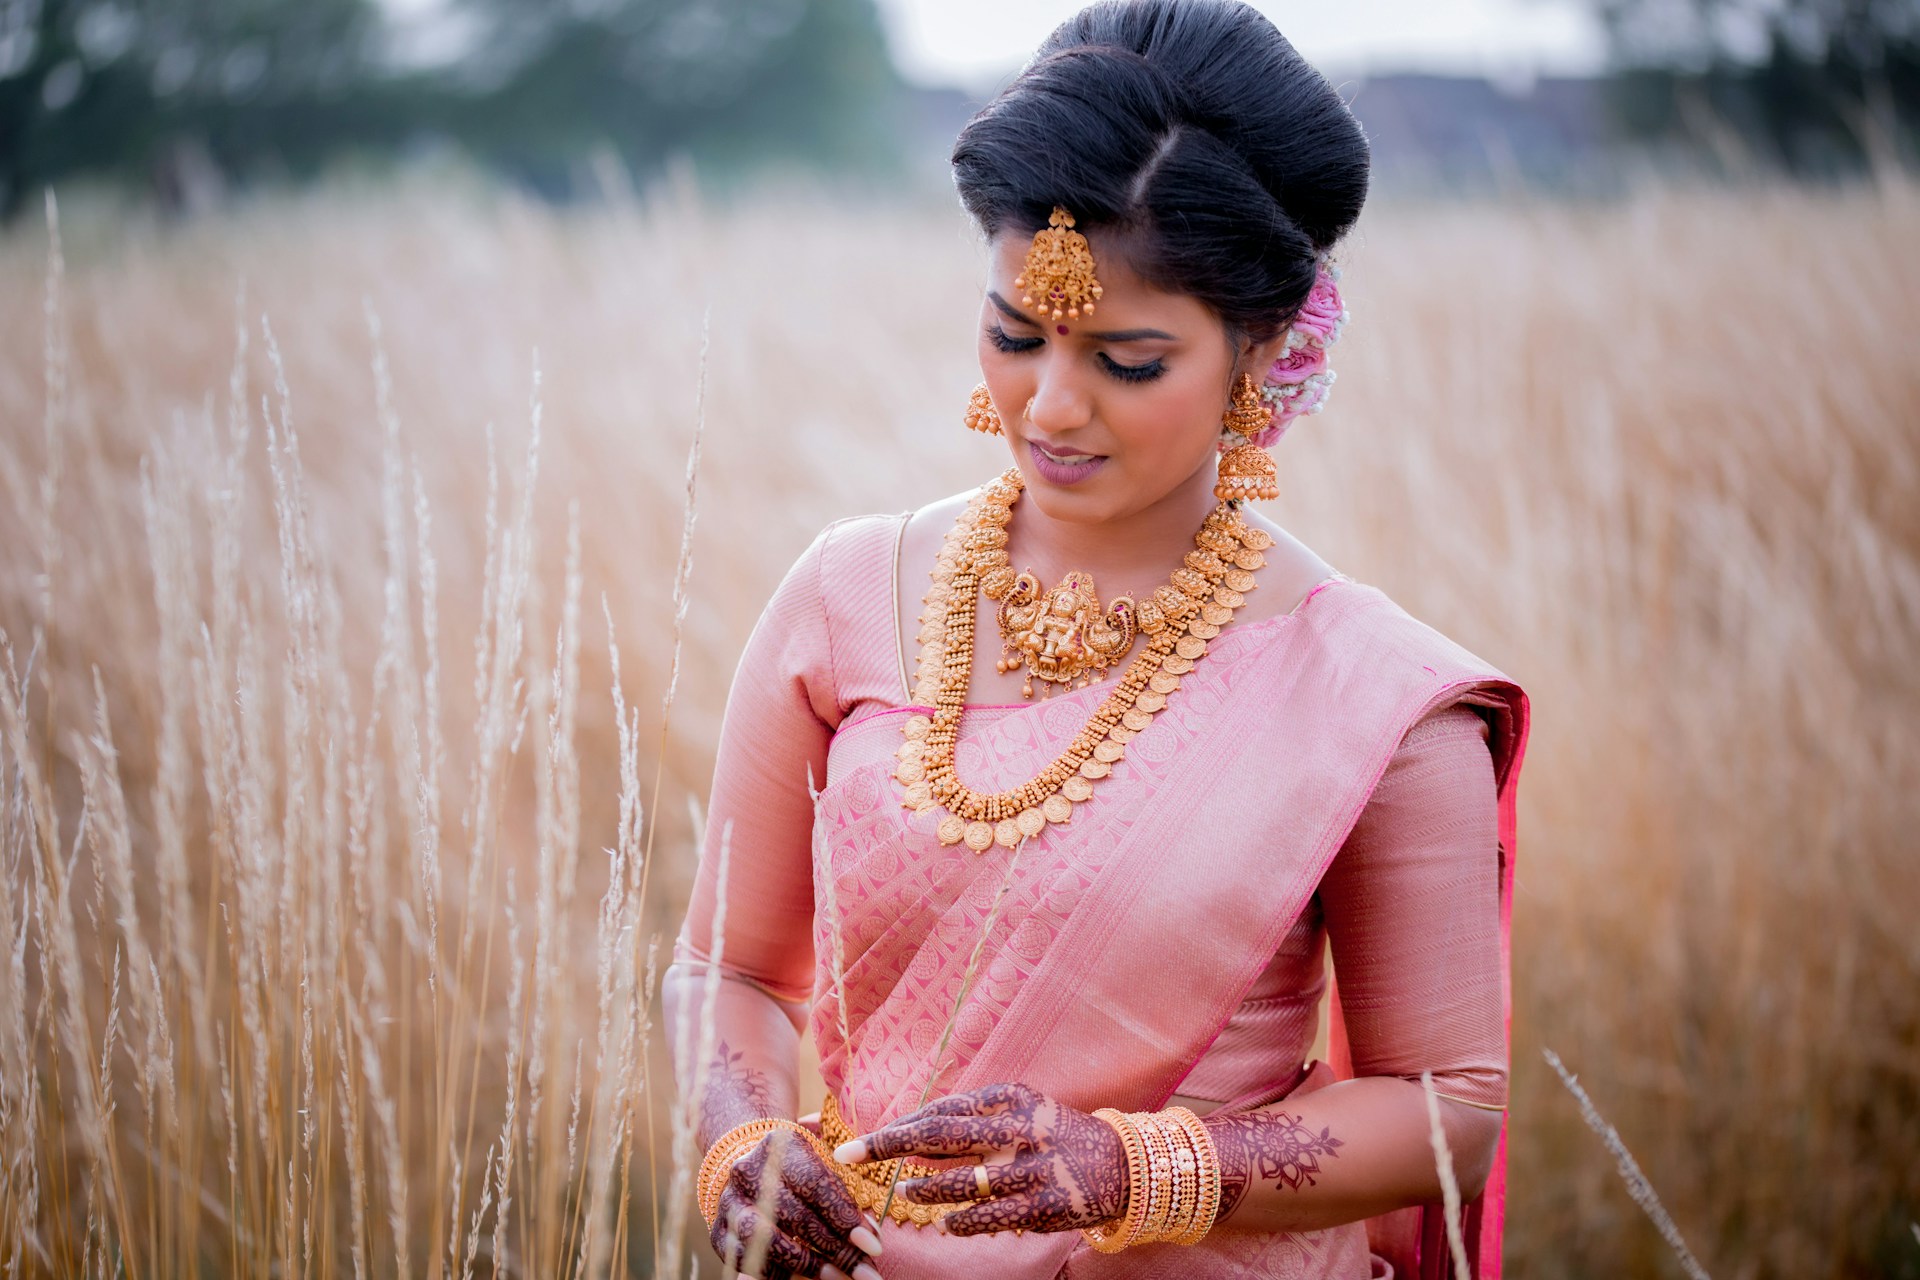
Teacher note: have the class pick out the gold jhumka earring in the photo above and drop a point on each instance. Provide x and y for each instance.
(1247, 470)
(981, 415)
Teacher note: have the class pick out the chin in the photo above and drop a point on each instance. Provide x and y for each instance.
(1099, 499)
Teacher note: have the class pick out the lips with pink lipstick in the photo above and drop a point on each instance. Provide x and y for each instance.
(1063, 466)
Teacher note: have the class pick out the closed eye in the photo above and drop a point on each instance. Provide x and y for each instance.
(1011, 345)
(1133, 372)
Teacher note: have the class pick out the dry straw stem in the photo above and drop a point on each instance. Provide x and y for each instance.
(1449, 1184)
(938, 1061)
(1637, 1185)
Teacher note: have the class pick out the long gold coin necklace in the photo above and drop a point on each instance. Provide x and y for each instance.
(1177, 620)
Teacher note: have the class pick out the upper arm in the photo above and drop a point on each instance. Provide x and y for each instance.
(781, 713)
(1412, 908)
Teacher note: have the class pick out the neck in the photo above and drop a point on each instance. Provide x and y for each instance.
(1129, 553)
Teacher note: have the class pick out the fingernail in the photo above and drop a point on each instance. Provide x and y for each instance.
(831, 1272)
(865, 1272)
(867, 1242)
(874, 1223)
(940, 1225)
(854, 1152)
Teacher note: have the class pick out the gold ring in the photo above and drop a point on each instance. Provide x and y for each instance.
(980, 1181)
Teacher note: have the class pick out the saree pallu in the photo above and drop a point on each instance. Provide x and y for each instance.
(1122, 943)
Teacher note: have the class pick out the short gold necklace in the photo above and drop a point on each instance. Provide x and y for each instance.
(1178, 619)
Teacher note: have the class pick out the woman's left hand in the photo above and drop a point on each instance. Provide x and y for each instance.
(1048, 1166)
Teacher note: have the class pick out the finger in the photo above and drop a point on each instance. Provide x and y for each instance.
(953, 1186)
(847, 1250)
(732, 1256)
(938, 1136)
(826, 1195)
(1022, 1212)
(780, 1253)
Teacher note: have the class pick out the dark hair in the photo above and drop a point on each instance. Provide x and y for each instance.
(1190, 128)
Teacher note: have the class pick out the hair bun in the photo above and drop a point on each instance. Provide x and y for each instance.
(1193, 124)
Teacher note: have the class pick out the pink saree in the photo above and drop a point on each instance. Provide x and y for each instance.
(1124, 942)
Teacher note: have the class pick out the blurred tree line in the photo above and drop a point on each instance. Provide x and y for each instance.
(1817, 88)
(186, 96)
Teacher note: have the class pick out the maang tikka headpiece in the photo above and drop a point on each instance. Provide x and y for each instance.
(1059, 270)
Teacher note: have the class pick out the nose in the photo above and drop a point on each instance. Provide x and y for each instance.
(1059, 403)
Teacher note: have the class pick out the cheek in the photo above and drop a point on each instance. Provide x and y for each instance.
(1167, 422)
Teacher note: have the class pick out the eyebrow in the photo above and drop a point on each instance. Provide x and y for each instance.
(1116, 335)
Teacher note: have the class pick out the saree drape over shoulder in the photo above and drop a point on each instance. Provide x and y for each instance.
(1343, 774)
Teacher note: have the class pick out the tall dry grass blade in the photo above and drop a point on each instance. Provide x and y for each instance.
(835, 922)
(694, 1065)
(753, 1260)
(1637, 1184)
(682, 577)
(1449, 1184)
(937, 1062)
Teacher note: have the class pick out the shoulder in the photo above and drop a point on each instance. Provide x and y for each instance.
(1364, 627)
(846, 555)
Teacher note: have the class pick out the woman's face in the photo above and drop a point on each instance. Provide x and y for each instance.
(1122, 408)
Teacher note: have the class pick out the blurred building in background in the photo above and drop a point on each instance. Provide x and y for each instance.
(186, 99)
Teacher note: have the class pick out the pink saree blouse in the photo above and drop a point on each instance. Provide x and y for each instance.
(1341, 776)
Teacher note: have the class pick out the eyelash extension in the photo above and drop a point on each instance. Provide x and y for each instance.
(1133, 372)
(1011, 346)
(1124, 372)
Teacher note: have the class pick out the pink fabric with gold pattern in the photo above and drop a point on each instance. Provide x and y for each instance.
(1341, 773)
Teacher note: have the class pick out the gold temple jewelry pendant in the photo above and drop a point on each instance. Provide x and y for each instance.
(1061, 636)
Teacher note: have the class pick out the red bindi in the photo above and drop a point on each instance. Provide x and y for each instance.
(1063, 330)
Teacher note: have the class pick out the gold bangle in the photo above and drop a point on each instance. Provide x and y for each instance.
(1207, 1165)
(1186, 1178)
(727, 1151)
(1160, 1185)
(1113, 1236)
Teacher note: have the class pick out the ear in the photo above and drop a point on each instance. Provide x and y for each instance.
(1257, 357)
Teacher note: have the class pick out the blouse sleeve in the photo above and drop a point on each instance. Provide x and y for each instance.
(1413, 916)
(781, 712)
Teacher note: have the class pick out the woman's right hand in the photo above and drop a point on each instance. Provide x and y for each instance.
(816, 1228)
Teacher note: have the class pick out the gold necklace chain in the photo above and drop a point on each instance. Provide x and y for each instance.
(1178, 620)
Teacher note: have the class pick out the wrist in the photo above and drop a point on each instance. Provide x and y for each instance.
(727, 1151)
(1173, 1180)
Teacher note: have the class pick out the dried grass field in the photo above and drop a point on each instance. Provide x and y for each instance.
(338, 850)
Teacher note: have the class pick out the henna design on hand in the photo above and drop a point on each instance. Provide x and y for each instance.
(815, 1220)
(1267, 1146)
(736, 1093)
(1069, 1169)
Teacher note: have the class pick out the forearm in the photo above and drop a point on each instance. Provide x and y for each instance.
(1343, 1153)
(752, 1071)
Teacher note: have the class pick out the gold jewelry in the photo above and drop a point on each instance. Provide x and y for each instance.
(980, 1182)
(1207, 1167)
(727, 1150)
(1061, 635)
(1112, 1237)
(981, 415)
(1173, 1180)
(1178, 620)
(869, 1183)
(1247, 414)
(1246, 470)
(1060, 269)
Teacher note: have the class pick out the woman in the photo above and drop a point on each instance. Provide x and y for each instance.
(1106, 886)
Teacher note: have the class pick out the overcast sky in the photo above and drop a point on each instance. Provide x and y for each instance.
(976, 43)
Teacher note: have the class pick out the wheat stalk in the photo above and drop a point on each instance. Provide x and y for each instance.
(1637, 1184)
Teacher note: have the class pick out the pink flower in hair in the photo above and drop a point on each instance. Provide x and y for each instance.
(1298, 364)
(1298, 382)
(1323, 314)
